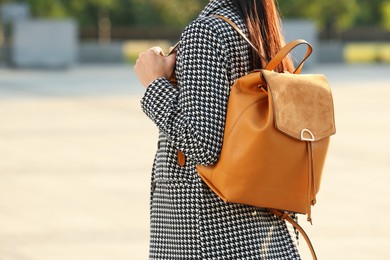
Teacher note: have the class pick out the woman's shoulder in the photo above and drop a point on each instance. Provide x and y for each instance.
(211, 24)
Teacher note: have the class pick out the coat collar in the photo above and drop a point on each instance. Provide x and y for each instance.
(215, 5)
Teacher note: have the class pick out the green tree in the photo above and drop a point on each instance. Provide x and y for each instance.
(338, 15)
(330, 14)
(386, 14)
(122, 12)
(178, 12)
(370, 12)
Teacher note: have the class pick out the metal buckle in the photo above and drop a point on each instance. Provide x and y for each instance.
(308, 139)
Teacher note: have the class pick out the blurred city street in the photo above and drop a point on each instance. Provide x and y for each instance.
(76, 153)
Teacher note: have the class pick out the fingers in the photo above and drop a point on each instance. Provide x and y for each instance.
(153, 64)
(158, 50)
(148, 56)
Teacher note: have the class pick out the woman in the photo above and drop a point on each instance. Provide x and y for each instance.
(188, 221)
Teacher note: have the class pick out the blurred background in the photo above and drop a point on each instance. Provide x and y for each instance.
(76, 150)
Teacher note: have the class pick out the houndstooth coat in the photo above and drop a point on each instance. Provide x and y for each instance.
(188, 221)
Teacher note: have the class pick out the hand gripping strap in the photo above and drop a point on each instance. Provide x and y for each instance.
(286, 216)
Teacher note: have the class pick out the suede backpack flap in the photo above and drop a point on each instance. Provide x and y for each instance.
(302, 105)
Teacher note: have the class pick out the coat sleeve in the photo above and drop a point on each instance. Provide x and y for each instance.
(193, 115)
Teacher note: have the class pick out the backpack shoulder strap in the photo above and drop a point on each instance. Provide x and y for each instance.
(275, 61)
(240, 32)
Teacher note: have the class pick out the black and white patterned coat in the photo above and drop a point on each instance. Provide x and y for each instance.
(188, 221)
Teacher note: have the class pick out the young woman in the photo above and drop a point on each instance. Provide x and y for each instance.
(188, 221)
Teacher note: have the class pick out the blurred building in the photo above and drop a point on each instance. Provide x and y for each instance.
(37, 42)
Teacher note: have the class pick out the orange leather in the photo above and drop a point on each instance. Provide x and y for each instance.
(261, 165)
(285, 51)
(181, 158)
(276, 137)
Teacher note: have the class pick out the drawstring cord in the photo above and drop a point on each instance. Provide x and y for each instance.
(311, 195)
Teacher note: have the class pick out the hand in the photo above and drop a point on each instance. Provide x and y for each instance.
(153, 64)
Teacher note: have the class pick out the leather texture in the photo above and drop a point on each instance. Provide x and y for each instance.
(276, 137)
(181, 158)
(261, 165)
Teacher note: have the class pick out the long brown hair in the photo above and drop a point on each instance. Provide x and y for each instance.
(263, 22)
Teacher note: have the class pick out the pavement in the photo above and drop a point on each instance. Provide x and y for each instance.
(76, 153)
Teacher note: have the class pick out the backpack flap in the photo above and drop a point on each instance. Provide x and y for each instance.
(302, 104)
